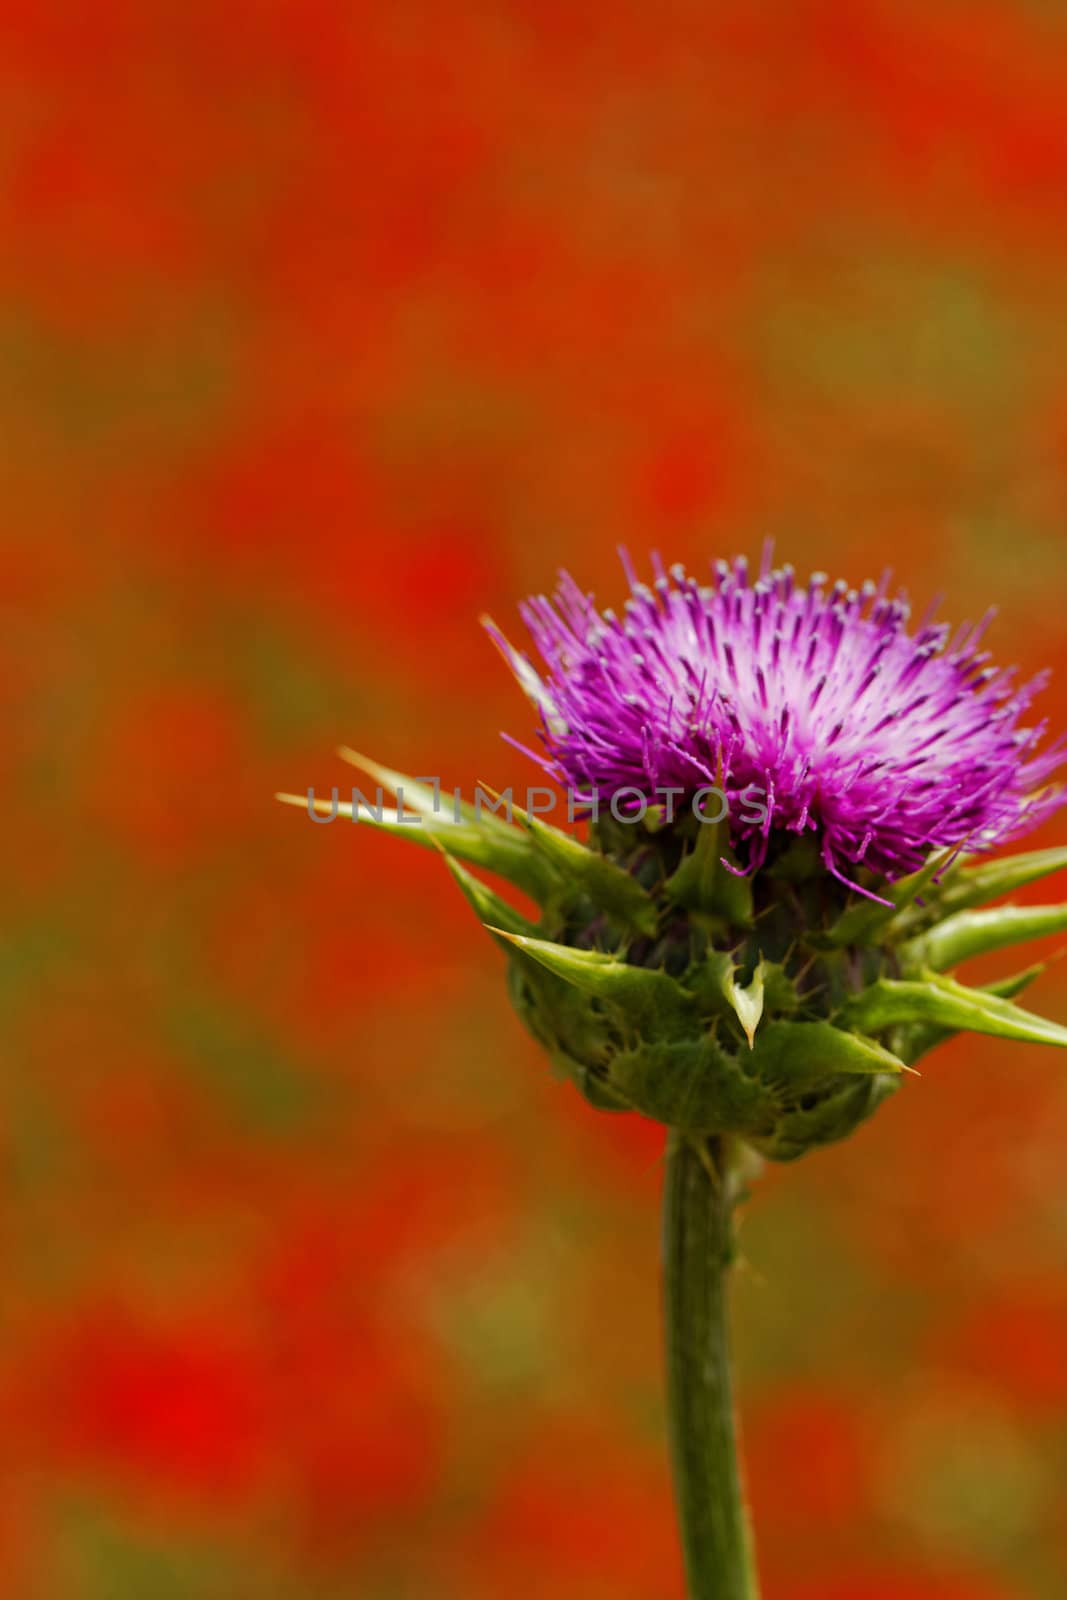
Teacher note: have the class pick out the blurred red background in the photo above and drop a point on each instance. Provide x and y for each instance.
(325, 326)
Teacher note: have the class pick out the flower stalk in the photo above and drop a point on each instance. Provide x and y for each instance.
(698, 1250)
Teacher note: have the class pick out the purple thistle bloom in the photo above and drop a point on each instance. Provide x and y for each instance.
(883, 744)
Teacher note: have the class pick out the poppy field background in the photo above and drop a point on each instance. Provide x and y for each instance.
(325, 327)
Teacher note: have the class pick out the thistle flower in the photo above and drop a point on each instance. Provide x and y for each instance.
(772, 976)
(763, 982)
(888, 750)
(882, 744)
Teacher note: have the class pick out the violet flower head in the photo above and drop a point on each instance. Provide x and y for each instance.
(660, 970)
(883, 743)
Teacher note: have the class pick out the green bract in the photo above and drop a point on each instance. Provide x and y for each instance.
(781, 1008)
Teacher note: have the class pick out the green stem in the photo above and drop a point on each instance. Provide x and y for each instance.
(698, 1250)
